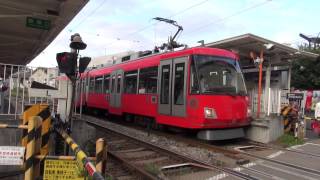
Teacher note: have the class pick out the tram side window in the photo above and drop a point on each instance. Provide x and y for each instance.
(194, 83)
(165, 84)
(106, 84)
(98, 84)
(148, 80)
(179, 84)
(91, 84)
(118, 83)
(112, 83)
(130, 82)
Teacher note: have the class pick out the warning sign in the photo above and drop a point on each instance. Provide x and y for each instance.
(62, 170)
(11, 155)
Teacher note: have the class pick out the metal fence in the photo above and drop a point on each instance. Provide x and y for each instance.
(272, 100)
(15, 82)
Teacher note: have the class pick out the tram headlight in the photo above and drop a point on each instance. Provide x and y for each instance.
(210, 113)
(249, 113)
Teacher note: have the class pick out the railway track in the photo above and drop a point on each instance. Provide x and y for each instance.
(150, 161)
(243, 156)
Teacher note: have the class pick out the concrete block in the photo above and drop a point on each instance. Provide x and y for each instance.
(265, 130)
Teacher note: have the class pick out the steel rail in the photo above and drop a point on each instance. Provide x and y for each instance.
(164, 150)
(131, 166)
(313, 171)
(283, 149)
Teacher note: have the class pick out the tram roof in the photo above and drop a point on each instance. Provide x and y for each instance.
(24, 29)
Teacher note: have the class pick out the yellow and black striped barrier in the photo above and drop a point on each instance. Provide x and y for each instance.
(43, 157)
(101, 153)
(45, 133)
(28, 112)
(36, 133)
(14, 126)
(285, 113)
(81, 156)
(33, 124)
(41, 110)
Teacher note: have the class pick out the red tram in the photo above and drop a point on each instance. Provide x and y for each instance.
(197, 88)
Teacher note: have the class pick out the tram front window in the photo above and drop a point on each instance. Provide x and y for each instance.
(216, 75)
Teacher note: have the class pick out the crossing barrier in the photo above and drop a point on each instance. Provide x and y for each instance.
(101, 155)
(14, 126)
(36, 123)
(30, 165)
(81, 156)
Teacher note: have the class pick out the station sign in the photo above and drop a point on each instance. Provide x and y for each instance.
(62, 170)
(38, 23)
(11, 155)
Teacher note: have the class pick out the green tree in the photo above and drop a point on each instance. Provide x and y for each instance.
(306, 71)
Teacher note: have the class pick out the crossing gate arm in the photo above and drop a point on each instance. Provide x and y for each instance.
(80, 156)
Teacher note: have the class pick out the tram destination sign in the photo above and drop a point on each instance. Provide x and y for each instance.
(38, 23)
(11, 155)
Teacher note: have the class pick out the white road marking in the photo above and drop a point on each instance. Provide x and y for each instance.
(275, 154)
(219, 176)
(289, 172)
(314, 144)
(296, 147)
(239, 169)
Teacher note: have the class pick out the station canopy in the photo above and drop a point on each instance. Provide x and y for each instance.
(28, 27)
(279, 55)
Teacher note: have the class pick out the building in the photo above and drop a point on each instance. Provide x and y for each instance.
(45, 76)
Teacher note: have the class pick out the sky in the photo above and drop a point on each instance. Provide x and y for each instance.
(113, 26)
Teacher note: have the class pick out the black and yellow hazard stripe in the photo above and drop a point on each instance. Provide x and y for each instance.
(29, 111)
(45, 133)
(100, 155)
(285, 111)
(38, 146)
(33, 123)
(43, 157)
(14, 126)
(43, 111)
(81, 156)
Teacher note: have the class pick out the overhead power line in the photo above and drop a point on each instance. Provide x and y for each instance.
(91, 13)
(230, 16)
(150, 25)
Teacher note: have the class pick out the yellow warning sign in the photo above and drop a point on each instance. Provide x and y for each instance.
(62, 170)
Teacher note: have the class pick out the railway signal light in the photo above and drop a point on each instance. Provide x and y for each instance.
(83, 63)
(67, 63)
